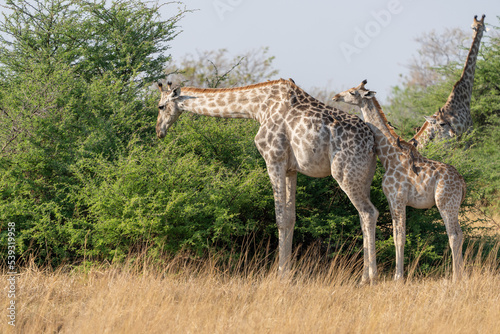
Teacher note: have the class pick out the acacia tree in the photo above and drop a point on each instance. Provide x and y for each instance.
(125, 37)
(128, 39)
(437, 50)
(47, 45)
(72, 77)
(218, 69)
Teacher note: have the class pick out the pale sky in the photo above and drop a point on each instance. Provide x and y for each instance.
(329, 44)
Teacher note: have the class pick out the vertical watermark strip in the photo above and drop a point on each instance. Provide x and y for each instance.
(11, 273)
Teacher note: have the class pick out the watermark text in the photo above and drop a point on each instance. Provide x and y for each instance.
(11, 273)
(225, 6)
(363, 36)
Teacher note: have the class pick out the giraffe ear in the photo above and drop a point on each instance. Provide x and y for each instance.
(369, 94)
(176, 92)
(176, 95)
(430, 119)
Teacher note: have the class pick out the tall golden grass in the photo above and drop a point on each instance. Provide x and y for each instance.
(182, 295)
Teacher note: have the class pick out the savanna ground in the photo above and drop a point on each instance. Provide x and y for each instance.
(183, 295)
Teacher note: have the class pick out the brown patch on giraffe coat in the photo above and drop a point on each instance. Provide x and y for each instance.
(231, 97)
(255, 99)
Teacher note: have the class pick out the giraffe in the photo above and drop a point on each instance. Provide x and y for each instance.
(454, 118)
(297, 133)
(411, 179)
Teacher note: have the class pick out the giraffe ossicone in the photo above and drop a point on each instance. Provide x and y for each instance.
(297, 133)
(411, 179)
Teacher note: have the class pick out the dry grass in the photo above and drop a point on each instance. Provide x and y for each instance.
(184, 296)
(484, 224)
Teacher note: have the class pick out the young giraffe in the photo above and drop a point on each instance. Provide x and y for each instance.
(297, 134)
(410, 179)
(454, 118)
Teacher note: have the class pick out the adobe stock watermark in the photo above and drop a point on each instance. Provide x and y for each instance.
(11, 273)
(224, 6)
(365, 35)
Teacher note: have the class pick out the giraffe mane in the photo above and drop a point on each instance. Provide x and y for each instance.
(401, 143)
(236, 89)
(421, 131)
(382, 114)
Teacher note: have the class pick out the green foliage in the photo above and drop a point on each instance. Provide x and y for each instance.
(57, 117)
(127, 39)
(124, 38)
(168, 198)
(485, 106)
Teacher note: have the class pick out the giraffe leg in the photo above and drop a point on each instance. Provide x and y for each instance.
(287, 226)
(449, 213)
(398, 213)
(289, 222)
(368, 219)
(285, 219)
(359, 193)
(370, 260)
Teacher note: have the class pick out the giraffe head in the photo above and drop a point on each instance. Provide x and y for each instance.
(439, 126)
(478, 25)
(168, 108)
(355, 95)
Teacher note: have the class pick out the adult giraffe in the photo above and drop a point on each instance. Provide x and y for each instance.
(297, 134)
(454, 118)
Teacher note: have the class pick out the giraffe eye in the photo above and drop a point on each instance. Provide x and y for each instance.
(443, 124)
(162, 107)
(352, 93)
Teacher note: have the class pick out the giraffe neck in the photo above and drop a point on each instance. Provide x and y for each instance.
(423, 135)
(385, 137)
(462, 90)
(242, 102)
(460, 96)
